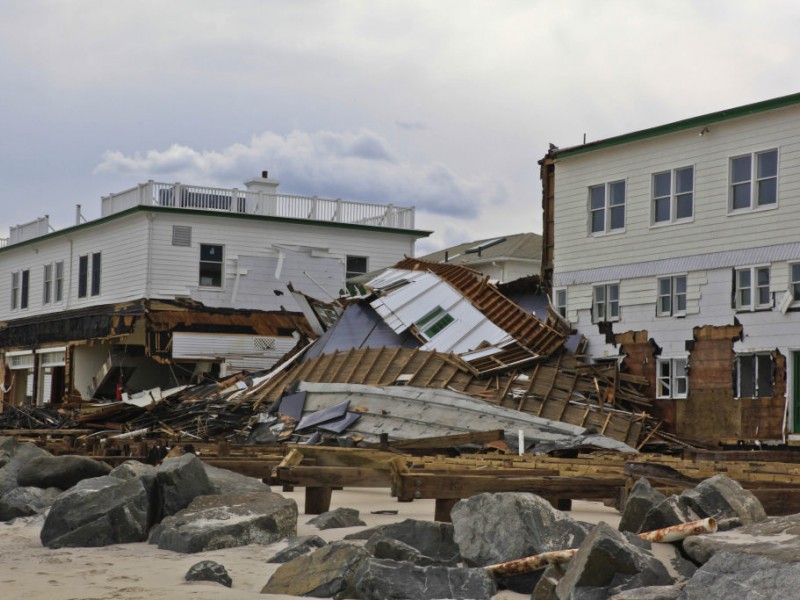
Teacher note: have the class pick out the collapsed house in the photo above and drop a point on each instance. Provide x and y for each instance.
(174, 283)
(673, 249)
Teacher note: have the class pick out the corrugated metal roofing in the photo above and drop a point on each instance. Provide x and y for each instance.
(702, 262)
(518, 246)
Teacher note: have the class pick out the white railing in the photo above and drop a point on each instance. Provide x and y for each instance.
(259, 203)
(28, 231)
(3, 242)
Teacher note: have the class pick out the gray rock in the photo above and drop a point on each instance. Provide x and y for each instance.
(180, 480)
(334, 519)
(640, 500)
(8, 446)
(546, 585)
(60, 471)
(227, 521)
(208, 570)
(327, 572)
(723, 498)
(131, 469)
(422, 542)
(673, 510)
(655, 592)
(297, 546)
(99, 512)
(494, 528)
(777, 538)
(609, 562)
(387, 579)
(229, 482)
(727, 576)
(26, 501)
(19, 454)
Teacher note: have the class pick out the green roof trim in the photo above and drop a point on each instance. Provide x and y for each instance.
(715, 117)
(418, 233)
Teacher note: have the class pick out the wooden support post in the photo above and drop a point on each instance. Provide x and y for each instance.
(443, 508)
(318, 500)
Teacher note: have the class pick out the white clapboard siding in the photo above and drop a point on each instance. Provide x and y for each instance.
(240, 352)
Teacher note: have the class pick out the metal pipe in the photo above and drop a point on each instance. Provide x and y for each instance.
(681, 531)
(531, 563)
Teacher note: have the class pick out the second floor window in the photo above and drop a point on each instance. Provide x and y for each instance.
(673, 195)
(605, 303)
(754, 180)
(47, 284)
(88, 282)
(20, 283)
(211, 263)
(59, 283)
(607, 207)
(560, 297)
(751, 289)
(671, 296)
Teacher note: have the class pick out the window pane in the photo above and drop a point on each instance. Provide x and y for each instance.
(613, 292)
(618, 217)
(741, 196)
(763, 275)
(661, 184)
(768, 164)
(210, 253)
(796, 291)
(95, 274)
(764, 375)
(684, 210)
(665, 287)
(740, 169)
(83, 276)
(684, 180)
(598, 196)
(664, 305)
(680, 284)
(767, 192)
(662, 209)
(747, 385)
(744, 278)
(796, 273)
(617, 192)
(598, 221)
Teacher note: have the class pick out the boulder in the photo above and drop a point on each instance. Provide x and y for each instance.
(433, 542)
(227, 521)
(99, 512)
(493, 528)
(334, 519)
(180, 480)
(26, 501)
(327, 572)
(131, 469)
(653, 592)
(297, 546)
(673, 510)
(18, 454)
(229, 482)
(640, 500)
(546, 585)
(208, 570)
(731, 575)
(381, 579)
(60, 471)
(724, 499)
(8, 445)
(609, 562)
(777, 538)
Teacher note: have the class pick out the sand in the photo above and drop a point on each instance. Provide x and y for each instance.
(29, 571)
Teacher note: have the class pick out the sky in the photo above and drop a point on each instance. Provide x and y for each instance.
(445, 105)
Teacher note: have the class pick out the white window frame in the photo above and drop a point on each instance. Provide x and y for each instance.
(672, 197)
(560, 301)
(607, 207)
(794, 282)
(603, 309)
(47, 283)
(220, 262)
(747, 297)
(671, 295)
(758, 357)
(58, 280)
(15, 286)
(754, 182)
(669, 375)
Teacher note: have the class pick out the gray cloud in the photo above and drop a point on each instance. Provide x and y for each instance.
(349, 165)
(412, 125)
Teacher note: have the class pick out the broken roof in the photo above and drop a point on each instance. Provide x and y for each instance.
(519, 246)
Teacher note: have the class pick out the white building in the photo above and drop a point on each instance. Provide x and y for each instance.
(676, 248)
(173, 274)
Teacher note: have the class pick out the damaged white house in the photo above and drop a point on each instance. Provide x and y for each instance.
(176, 280)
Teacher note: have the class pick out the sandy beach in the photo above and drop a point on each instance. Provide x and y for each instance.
(29, 571)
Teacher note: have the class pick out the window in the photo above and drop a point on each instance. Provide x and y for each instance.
(754, 180)
(15, 290)
(561, 302)
(84, 279)
(794, 281)
(673, 195)
(671, 296)
(211, 265)
(751, 289)
(59, 288)
(672, 379)
(356, 265)
(607, 207)
(47, 284)
(432, 323)
(605, 303)
(24, 287)
(753, 375)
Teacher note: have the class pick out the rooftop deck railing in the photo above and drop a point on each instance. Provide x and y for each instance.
(264, 203)
(3, 242)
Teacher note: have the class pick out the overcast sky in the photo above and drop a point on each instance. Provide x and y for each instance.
(443, 105)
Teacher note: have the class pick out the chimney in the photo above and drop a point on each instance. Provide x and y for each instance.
(262, 184)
